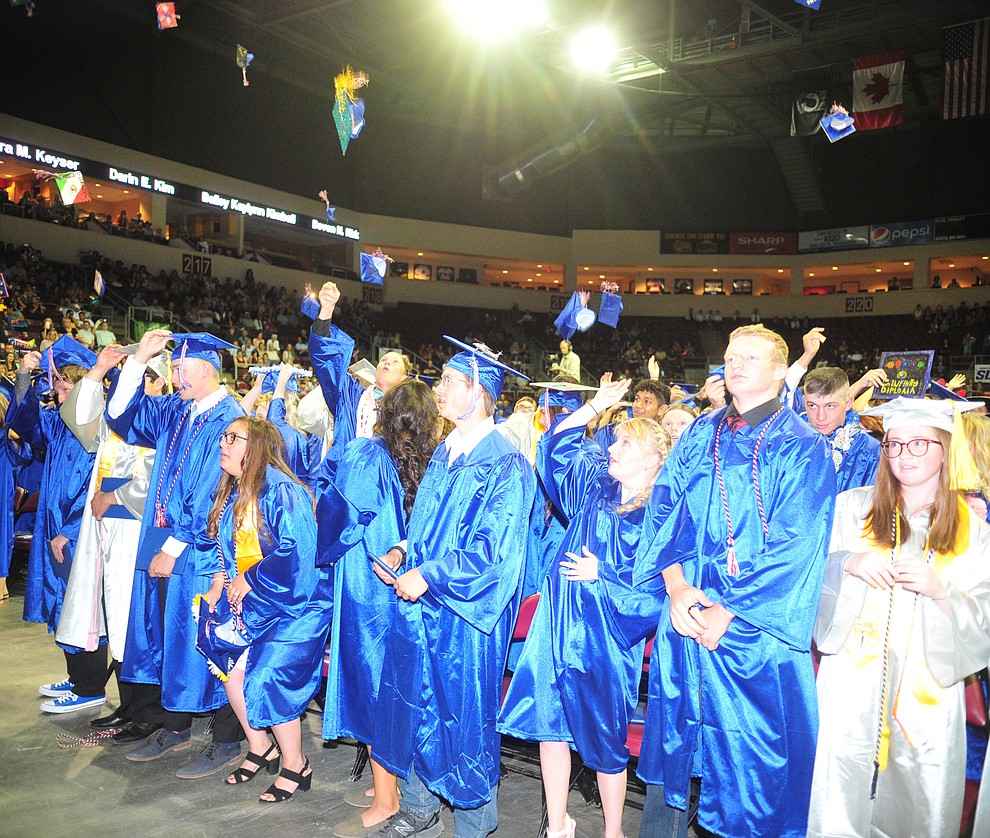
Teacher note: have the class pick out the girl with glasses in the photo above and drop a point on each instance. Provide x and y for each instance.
(902, 621)
(262, 520)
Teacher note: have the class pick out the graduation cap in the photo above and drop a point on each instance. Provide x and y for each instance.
(576, 315)
(310, 306)
(364, 370)
(66, 350)
(72, 188)
(201, 345)
(271, 379)
(938, 390)
(99, 283)
(373, 267)
(348, 109)
(809, 4)
(482, 366)
(244, 59)
(903, 412)
(218, 635)
(837, 123)
(561, 394)
(167, 18)
(610, 309)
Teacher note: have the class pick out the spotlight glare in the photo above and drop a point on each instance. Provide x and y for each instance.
(593, 50)
(495, 20)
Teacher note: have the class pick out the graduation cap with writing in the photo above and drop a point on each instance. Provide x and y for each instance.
(201, 345)
(576, 315)
(904, 412)
(482, 366)
(67, 350)
(562, 394)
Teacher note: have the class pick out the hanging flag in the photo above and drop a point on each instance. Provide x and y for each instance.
(167, 18)
(99, 284)
(811, 96)
(878, 90)
(965, 58)
(72, 188)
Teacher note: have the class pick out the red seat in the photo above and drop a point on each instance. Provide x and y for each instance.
(524, 619)
(976, 715)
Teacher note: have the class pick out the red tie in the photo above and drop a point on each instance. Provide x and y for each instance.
(735, 422)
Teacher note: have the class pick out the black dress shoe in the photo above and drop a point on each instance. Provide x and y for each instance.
(107, 722)
(134, 732)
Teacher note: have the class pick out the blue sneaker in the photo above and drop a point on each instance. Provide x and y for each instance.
(69, 702)
(55, 690)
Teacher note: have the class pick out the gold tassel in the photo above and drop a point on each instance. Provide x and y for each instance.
(963, 473)
(883, 752)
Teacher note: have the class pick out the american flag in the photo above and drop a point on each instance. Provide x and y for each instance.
(965, 59)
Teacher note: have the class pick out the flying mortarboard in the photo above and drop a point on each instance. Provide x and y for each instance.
(809, 4)
(610, 309)
(167, 18)
(576, 316)
(244, 59)
(373, 267)
(348, 109)
(481, 365)
(837, 123)
(310, 306)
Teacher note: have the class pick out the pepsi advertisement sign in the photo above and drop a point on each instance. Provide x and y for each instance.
(902, 232)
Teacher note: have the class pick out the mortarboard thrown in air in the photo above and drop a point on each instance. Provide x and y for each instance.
(67, 350)
(837, 123)
(561, 394)
(809, 4)
(373, 267)
(348, 109)
(167, 18)
(481, 365)
(610, 309)
(904, 412)
(244, 59)
(201, 345)
(576, 316)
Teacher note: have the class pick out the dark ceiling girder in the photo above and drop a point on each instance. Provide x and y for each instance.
(275, 12)
(776, 21)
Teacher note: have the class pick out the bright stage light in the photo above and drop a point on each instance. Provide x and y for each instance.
(494, 20)
(593, 51)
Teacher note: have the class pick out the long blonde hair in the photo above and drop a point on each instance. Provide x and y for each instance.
(945, 518)
(652, 439)
(978, 433)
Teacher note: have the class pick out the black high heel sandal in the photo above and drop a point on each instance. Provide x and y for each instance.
(243, 775)
(302, 780)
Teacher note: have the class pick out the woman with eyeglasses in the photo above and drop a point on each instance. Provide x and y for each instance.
(262, 519)
(903, 619)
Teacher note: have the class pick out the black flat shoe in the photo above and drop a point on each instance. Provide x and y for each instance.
(302, 780)
(107, 722)
(266, 761)
(134, 732)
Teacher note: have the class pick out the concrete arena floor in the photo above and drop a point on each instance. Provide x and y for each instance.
(94, 791)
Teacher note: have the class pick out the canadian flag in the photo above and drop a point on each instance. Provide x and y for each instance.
(878, 90)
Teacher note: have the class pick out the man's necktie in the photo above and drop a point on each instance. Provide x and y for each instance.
(735, 422)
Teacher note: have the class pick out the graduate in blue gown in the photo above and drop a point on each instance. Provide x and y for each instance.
(828, 409)
(262, 519)
(14, 455)
(577, 682)
(365, 514)
(731, 692)
(352, 402)
(444, 656)
(61, 501)
(178, 562)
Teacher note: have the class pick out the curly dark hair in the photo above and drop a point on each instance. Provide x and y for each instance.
(408, 421)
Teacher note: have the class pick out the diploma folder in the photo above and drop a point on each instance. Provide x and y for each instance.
(152, 540)
(117, 510)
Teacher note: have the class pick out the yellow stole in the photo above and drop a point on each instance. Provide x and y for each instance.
(247, 547)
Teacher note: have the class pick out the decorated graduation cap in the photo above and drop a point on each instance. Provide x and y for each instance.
(809, 4)
(837, 123)
(946, 414)
(66, 350)
(167, 18)
(348, 109)
(562, 394)
(482, 366)
(373, 267)
(576, 315)
(244, 59)
(611, 306)
(310, 306)
(200, 345)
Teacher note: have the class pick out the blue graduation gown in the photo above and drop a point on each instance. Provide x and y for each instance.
(578, 678)
(61, 502)
(856, 458)
(160, 646)
(13, 455)
(749, 707)
(286, 612)
(361, 514)
(444, 657)
(298, 451)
